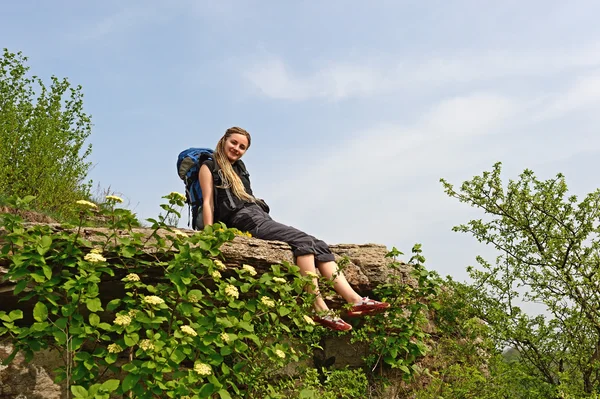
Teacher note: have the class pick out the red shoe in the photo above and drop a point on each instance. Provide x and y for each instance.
(367, 306)
(333, 323)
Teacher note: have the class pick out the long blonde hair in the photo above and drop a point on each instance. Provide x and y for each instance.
(230, 179)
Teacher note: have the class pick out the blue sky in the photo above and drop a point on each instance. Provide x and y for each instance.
(356, 108)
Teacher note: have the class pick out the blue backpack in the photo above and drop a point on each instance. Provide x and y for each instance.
(188, 166)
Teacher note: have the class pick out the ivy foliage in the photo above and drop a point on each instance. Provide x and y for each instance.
(176, 322)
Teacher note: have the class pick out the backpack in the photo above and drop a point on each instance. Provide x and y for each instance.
(188, 166)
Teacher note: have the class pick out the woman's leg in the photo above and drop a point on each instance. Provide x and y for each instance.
(331, 271)
(307, 265)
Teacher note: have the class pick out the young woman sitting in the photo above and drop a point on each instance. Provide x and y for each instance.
(228, 198)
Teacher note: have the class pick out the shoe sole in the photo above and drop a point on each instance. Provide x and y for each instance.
(356, 313)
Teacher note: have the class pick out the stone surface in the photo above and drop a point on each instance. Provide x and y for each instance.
(21, 380)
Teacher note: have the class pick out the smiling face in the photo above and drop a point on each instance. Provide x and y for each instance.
(235, 146)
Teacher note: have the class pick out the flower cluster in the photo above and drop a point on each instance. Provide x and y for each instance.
(220, 265)
(189, 331)
(133, 312)
(279, 280)
(202, 369)
(153, 300)
(132, 277)
(308, 320)
(114, 198)
(312, 274)
(146, 345)
(193, 298)
(232, 291)
(267, 301)
(225, 337)
(243, 234)
(94, 257)
(280, 353)
(216, 275)
(176, 195)
(114, 348)
(249, 269)
(87, 204)
(122, 320)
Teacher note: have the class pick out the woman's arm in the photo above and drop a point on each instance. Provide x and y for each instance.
(206, 185)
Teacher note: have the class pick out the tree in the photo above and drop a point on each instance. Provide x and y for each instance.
(42, 137)
(549, 254)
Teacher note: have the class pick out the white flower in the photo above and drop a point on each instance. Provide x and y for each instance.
(96, 251)
(133, 312)
(216, 275)
(146, 345)
(114, 348)
(189, 331)
(308, 320)
(219, 264)
(94, 257)
(122, 320)
(153, 300)
(249, 269)
(202, 369)
(114, 198)
(279, 280)
(312, 274)
(232, 291)
(267, 301)
(86, 203)
(177, 195)
(132, 277)
(225, 337)
(193, 298)
(280, 353)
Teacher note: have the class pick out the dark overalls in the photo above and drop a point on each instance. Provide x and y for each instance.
(248, 216)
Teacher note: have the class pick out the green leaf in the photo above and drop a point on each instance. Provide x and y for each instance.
(131, 339)
(79, 391)
(224, 394)
(207, 390)
(94, 319)
(110, 385)
(177, 356)
(60, 337)
(112, 305)
(16, 314)
(283, 311)
(20, 287)
(94, 304)
(62, 322)
(40, 312)
(246, 326)
(129, 382)
(307, 393)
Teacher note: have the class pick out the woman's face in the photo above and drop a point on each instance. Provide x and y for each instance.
(235, 146)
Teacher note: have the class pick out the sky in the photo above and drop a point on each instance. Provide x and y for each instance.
(356, 109)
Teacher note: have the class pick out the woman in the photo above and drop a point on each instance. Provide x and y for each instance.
(228, 198)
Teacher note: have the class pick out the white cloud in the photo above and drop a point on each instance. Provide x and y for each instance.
(582, 94)
(338, 80)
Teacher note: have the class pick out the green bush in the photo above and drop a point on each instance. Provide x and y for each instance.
(180, 324)
(42, 138)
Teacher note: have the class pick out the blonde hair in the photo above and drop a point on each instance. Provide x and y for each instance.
(230, 179)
